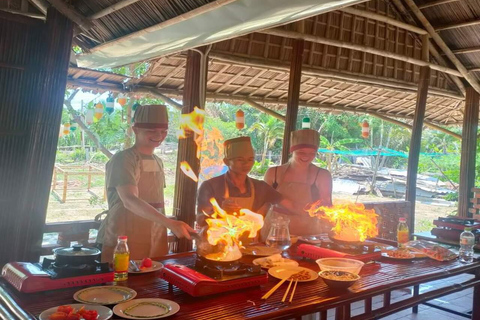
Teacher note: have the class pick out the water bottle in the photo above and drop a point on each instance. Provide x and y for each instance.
(467, 241)
(403, 234)
(121, 259)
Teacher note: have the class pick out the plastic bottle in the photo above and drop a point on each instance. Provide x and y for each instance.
(402, 233)
(467, 241)
(121, 259)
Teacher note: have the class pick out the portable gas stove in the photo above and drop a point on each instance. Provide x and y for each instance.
(450, 228)
(33, 277)
(205, 278)
(324, 247)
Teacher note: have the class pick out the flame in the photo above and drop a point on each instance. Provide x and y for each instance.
(211, 160)
(185, 167)
(225, 230)
(193, 122)
(352, 222)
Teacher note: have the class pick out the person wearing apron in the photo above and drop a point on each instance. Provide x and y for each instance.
(135, 181)
(302, 181)
(235, 190)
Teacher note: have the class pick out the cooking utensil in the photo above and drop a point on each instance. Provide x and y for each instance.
(293, 291)
(134, 266)
(269, 293)
(76, 255)
(286, 292)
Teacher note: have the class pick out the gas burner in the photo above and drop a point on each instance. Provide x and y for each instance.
(353, 248)
(58, 271)
(221, 270)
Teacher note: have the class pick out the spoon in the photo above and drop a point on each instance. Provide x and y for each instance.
(134, 266)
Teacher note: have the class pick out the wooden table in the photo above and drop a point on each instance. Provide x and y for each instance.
(310, 297)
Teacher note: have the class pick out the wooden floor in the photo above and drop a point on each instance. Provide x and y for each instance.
(460, 301)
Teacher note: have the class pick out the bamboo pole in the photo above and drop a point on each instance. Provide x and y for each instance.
(458, 25)
(114, 7)
(41, 5)
(435, 3)
(71, 14)
(433, 50)
(385, 19)
(189, 15)
(439, 41)
(374, 81)
(466, 50)
(258, 106)
(468, 152)
(362, 48)
(26, 14)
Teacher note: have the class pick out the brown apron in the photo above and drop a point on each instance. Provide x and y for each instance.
(300, 225)
(145, 238)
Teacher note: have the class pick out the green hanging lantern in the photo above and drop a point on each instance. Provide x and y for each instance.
(73, 126)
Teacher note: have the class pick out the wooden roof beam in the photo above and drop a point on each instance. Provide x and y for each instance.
(71, 14)
(114, 7)
(435, 3)
(359, 47)
(351, 77)
(439, 41)
(466, 50)
(458, 25)
(385, 19)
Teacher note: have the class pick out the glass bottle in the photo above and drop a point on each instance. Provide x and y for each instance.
(467, 241)
(403, 234)
(279, 235)
(121, 259)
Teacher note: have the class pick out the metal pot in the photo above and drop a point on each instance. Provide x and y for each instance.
(76, 255)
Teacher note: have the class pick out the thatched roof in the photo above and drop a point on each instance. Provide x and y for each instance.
(336, 75)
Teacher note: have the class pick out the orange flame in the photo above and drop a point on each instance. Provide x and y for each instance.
(352, 222)
(193, 122)
(185, 167)
(226, 229)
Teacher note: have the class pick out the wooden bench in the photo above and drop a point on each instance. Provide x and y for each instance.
(475, 200)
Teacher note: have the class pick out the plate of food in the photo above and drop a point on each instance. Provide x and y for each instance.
(77, 311)
(105, 295)
(399, 254)
(144, 266)
(261, 251)
(293, 273)
(275, 260)
(148, 308)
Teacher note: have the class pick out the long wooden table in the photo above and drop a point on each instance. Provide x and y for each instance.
(310, 297)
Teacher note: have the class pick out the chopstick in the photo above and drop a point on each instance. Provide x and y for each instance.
(293, 291)
(269, 293)
(286, 292)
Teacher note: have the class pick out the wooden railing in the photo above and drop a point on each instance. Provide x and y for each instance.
(76, 231)
(475, 200)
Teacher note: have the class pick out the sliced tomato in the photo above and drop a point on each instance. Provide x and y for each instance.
(66, 309)
(58, 316)
(74, 316)
(90, 314)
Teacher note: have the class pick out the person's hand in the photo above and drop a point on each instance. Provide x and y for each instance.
(230, 206)
(180, 229)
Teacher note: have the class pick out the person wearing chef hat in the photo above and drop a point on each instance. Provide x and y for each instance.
(302, 181)
(235, 190)
(135, 181)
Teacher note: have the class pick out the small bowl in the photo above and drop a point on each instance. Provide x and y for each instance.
(339, 279)
(340, 264)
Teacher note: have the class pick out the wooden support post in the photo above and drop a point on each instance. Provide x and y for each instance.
(293, 95)
(415, 142)
(184, 203)
(469, 149)
(65, 187)
(89, 183)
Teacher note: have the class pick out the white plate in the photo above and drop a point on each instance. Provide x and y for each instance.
(262, 262)
(155, 267)
(260, 251)
(105, 295)
(285, 272)
(104, 313)
(148, 308)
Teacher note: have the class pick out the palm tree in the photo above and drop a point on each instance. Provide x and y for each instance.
(269, 130)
